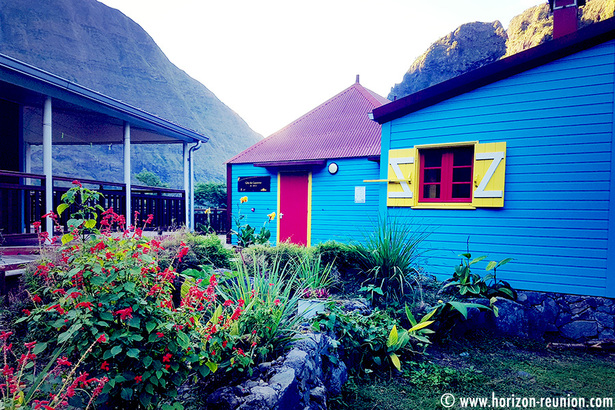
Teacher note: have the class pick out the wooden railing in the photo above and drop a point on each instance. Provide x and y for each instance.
(216, 219)
(22, 201)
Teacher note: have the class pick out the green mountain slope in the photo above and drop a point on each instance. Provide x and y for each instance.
(100, 48)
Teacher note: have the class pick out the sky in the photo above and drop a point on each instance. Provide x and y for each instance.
(272, 61)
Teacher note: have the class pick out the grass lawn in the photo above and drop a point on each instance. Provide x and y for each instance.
(477, 366)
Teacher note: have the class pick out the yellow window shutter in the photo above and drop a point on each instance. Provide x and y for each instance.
(489, 171)
(402, 185)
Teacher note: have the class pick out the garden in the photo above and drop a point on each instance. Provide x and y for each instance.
(110, 317)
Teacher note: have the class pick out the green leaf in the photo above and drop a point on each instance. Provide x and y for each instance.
(98, 281)
(410, 316)
(66, 238)
(147, 361)
(159, 374)
(62, 207)
(204, 370)
(90, 223)
(115, 350)
(480, 258)
(149, 388)
(395, 361)
(133, 353)
(106, 316)
(40, 347)
(420, 326)
(392, 337)
(460, 307)
(126, 394)
(212, 366)
(183, 340)
(130, 286)
(491, 265)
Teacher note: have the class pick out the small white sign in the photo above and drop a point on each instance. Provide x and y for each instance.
(359, 195)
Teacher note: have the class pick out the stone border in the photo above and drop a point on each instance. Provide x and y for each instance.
(303, 379)
(538, 314)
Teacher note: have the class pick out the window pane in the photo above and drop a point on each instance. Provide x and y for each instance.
(462, 190)
(432, 158)
(463, 156)
(431, 191)
(462, 174)
(432, 175)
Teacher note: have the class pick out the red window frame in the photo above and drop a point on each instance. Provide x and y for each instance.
(446, 167)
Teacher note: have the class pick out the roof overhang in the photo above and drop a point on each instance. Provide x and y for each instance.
(81, 115)
(293, 164)
(585, 38)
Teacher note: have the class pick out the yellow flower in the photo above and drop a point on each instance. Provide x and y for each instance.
(271, 216)
(208, 211)
(243, 199)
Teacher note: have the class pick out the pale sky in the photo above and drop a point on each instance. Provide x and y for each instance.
(272, 61)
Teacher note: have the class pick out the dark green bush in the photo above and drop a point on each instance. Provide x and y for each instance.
(203, 250)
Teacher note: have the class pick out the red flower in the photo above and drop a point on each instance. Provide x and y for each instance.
(37, 299)
(159, 334)
(5, 335)
(138, 379)
(87, 305)
(276, 302)
(105, 366)
(167, 366)
(26, 312)
(63, 361)
(75, 182)
(228, 302)
(124, 313)
(182, 252)
(167, 357)
(102, 338)
(30, 345)
(60, 291)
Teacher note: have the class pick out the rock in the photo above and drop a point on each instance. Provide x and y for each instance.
(605, 319)
(286, 384)
(223, 399)
(470, 46)
(296, 359)
(336, 378)
(607, 334)
(264, 396)
(524, 375)
(533, 298)
(318, 395)
(580, 329)
(512, 319)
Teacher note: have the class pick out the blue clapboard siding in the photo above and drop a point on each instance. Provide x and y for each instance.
(335, 215)
(557, 121)
(263, 202)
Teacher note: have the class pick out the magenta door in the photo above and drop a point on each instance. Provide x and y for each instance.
(294, 188)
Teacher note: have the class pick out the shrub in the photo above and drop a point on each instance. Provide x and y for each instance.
(285, 255)
(110, 288)
(202, 250)
(389, 257)
(338, 254)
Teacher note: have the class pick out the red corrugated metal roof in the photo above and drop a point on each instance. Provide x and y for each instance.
(338, 128)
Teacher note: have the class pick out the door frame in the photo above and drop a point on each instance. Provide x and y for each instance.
(309, 206)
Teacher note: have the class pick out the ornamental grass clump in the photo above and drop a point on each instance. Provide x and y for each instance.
(389, 258)
(109, 285)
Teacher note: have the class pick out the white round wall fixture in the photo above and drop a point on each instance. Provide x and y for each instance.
(333, 168)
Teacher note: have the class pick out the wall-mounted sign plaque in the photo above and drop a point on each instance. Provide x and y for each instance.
(254, 184)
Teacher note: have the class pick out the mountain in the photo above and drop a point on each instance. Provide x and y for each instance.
(473, 45)
(100, 48)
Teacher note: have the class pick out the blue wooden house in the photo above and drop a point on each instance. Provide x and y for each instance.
(518, 156)
(311, 172)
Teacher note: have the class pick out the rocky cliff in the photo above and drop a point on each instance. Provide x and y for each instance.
(473, 45)
(100, 48)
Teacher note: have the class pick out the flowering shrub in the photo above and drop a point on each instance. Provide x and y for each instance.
(110, 287)
(60, 383)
